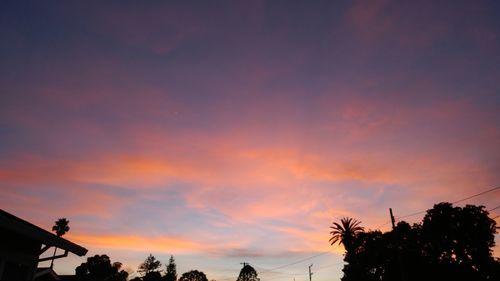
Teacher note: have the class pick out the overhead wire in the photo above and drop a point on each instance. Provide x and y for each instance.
(454, 202)
(493, 209)
(478, 194)
(302, 274)
(327, 266)
(273, 270)
(295, 262)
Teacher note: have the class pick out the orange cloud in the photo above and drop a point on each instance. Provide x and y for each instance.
(250, 179)
(164, 244)
(238, 178)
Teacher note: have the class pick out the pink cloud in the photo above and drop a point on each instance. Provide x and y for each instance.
(243, 165)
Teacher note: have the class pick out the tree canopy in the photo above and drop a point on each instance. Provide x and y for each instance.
(61, 226)
(193, 275)
(99, 267)
(345, 231)
(149, 265)
(152, 276)
(248, 273)
(451, 243)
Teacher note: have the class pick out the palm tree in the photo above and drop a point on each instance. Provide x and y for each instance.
(60, 228)
(345, 232)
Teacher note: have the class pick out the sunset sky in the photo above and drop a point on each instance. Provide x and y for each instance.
(223, 132)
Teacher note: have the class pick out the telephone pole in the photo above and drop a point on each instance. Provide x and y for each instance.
(244, 263)
(393, 221)
(398, 254)
(310, 273)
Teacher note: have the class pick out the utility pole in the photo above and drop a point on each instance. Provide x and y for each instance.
(393, 221)
(310, 273)
(244, 263)
(398, 255)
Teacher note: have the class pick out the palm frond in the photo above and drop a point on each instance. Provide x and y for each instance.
(345, 231)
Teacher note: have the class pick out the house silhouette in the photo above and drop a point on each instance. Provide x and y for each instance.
(21, 246)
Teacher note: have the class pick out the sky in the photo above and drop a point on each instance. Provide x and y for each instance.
(223, 132)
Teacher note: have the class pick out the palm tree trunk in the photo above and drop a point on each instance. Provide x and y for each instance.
(52, 262)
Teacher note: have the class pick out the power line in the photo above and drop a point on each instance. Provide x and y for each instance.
(281, 272)
(494, 208)
(327, 266)
(458, 201)
(411, 215)
(398, 218)
(295, 262)
(384, 224)
(417, 213)
(478, 194)
(272, 270)
(302, 274)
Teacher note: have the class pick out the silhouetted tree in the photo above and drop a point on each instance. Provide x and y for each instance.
(152, 276)
(171, 274)
(193, 275)
(151, 264)
(60, 227)
(248, 273)
(99, 267)
(345, 232)
(363, 263)
(120, 275)
(460, 240)
(452, 243)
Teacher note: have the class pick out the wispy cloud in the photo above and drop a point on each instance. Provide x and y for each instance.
(243, 130)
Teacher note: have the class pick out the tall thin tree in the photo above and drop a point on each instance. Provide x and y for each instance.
(171, 274)
(60, 227)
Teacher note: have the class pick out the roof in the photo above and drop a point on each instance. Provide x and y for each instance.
(20, 226)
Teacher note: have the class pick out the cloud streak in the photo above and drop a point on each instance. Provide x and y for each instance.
(243, 130)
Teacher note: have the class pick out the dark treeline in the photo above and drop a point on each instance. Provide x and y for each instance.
(451, 243)
(100, 268)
